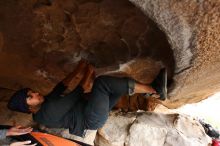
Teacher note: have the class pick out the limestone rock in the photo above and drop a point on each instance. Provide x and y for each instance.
(152, 129)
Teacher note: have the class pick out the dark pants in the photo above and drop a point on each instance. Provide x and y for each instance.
(105, 93)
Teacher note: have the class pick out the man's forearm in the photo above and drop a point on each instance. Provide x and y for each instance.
(76, 76)
(72, 78)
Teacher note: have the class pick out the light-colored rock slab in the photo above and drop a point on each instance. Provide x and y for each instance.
(152, 129)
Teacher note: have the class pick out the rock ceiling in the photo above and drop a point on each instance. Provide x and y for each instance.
(40, 42)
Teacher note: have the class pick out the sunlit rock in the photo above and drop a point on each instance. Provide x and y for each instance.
(151, 129)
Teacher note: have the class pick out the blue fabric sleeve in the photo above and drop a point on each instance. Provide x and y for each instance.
(58, 108)
(3, 134)
(57, 91)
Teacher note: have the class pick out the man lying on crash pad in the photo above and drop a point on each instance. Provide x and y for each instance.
(75, 112)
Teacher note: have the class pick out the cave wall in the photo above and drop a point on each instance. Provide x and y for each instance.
(41, 42)
(193, 29)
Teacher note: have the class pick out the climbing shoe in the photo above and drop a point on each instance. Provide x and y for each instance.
(160, 84)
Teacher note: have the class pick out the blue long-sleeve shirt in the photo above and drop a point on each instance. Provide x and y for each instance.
(3, 134)
(63, 111)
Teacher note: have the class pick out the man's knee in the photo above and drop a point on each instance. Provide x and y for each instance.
(96, 117)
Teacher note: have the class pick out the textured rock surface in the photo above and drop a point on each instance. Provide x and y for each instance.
(51, 38)
(1, 41)
(41, 43)
(192, 28)
(48, 40)
(151, 129)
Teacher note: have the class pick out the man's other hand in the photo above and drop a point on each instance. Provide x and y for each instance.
(18, 130)
(23, 143)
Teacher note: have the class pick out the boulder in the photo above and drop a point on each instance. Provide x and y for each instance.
(151, 129)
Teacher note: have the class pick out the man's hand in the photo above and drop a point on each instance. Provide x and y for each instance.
(151, 90)
(87, 81)
(18, 131)
(23, 143)
(73, 78)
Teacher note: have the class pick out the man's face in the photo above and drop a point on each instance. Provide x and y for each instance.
(34, 98)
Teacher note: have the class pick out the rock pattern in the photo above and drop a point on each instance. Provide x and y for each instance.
(1, 41)
(48, 40)
(183, 36)
(40, 42)
(192, 28)
(151, 129)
